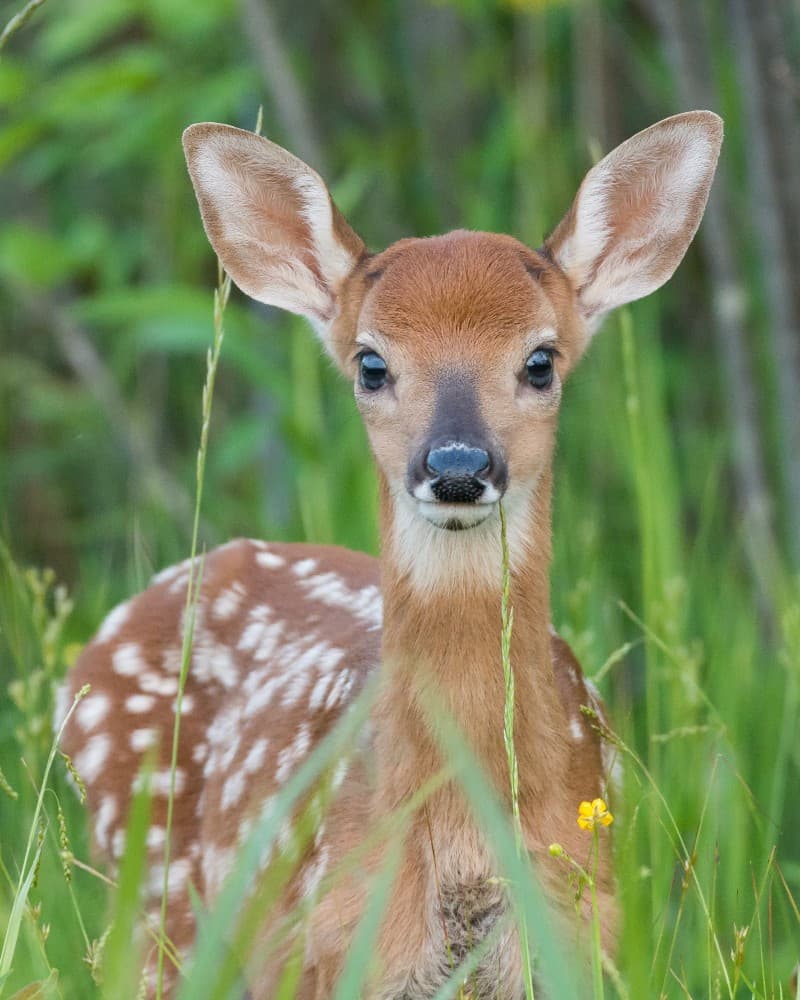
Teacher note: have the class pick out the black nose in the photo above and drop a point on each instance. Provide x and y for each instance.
(457, 468)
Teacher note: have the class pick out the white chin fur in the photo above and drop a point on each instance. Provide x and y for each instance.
(435, 559)
(455, 517)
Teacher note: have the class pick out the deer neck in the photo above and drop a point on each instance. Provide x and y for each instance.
(442, 644)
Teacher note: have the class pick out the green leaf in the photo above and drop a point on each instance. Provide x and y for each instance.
(17, 910)
(39, 991)
(360, 957)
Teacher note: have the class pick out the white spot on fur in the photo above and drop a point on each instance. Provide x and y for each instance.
(228, 602)
(199, 752)
(118, 843)
(340, 689)
(260, 635)
(210, 768)
(143, 739)
(291, 756)
(159, 782)
(254, 679)
(113, 622)
(269, 560)
(268, 641)
(89, 762)
(262, 697)
(233, 789)
(177, 877)
(187, 705)
(296, 664)
(319, 690)
(154, 683)
(287, 841)
(170, 572)
(576, 730)
(228, 755)
(217, 865)
(224, 728)
(106, 815)
(138, 704)
(304, 567)
(315, 872)
(245, 826)
(92, 710)
(156, 838)
(255, 755)
(339, 774)
(180, 584)
(329, 660)
(214, 661)
(127, 660)
(294, 691)
(329, 588)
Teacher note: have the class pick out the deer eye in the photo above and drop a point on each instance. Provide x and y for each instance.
(539, 368)
(372, 371)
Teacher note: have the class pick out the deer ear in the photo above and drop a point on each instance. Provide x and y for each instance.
(636, 213)
(271, 221)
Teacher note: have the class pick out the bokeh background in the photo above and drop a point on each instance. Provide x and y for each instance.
(677, 502)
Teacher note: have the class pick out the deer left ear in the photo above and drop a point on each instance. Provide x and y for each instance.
(272, 222)
(636, 212)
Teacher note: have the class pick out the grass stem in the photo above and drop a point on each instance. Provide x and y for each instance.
(507, 625)
(221, 295)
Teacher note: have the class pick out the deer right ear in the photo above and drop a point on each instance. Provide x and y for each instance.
(636, 213)
(271, 221)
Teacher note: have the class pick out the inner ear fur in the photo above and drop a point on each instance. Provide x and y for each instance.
(271, 221)
(636, 213)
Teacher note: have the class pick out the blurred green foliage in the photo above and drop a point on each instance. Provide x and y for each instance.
(422, 116)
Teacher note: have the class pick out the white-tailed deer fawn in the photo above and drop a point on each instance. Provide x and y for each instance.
(458, 347)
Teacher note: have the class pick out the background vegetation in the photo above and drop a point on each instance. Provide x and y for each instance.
(677, 503)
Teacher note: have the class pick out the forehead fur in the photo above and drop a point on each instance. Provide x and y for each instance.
(490, 286)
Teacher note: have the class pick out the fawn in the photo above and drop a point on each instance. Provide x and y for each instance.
(458, 347)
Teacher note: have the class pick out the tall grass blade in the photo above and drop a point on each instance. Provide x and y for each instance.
(360, 957)
(507, 625)
(221, 295)
(32, 855)
(122, 961)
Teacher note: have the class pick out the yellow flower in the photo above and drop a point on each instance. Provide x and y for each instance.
(591, 813)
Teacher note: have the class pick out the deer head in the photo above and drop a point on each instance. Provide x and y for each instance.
(457, 346)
